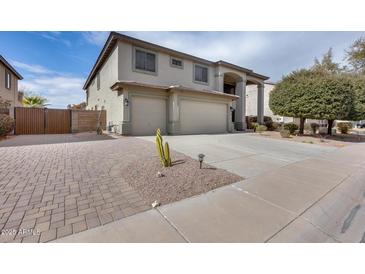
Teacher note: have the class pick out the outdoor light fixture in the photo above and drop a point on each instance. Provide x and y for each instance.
(201, 158)
(126, 102)
(231, 108)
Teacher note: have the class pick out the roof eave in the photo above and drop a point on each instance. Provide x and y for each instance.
(99, 60)
(121, 84)
(10, 67)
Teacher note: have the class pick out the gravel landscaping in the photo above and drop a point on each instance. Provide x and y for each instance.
(336, 140)
(184, 179)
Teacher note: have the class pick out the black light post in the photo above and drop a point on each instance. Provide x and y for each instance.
(201, 158)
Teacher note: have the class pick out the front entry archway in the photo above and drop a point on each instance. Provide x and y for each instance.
(233, 84)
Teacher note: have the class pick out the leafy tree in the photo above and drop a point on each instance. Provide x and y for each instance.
(327, 65)
(357, 111)
(286, 97)
(34, 101)
(313, 94)
(355, 56)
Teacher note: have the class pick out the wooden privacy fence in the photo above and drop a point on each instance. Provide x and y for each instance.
(87, 120)
(56, 121)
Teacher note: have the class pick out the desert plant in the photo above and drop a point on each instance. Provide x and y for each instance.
(251, 120)
(344, 127)
(7, 124)
(254, 126)
(275, 126)
(4, 106)
(269, 125)
(164, 153)
(35, 101)
(292, 127)
(284, 133)
(314, 127)
(261, 128)
(99, 130)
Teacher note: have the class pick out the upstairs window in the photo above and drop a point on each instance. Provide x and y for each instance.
(201, 74)
(7, 79)
(145, 61)
(177, 63)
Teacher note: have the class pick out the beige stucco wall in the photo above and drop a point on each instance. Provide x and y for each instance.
(104, 97)
(119, 66)
(166, 75)
(12, 94)
(251, 103)
(173, 111)
(251, 100)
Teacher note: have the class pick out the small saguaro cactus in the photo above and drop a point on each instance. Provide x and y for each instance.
(164, 153)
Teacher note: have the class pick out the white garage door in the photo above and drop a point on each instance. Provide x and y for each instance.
(202, 117)
(148, 114)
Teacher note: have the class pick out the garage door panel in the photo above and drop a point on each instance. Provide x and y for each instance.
(202, 117)
(148, 114)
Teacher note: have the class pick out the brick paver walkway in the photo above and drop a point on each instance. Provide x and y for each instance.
(66, 185)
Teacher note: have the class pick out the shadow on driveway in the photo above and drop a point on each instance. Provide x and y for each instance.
(28, 140)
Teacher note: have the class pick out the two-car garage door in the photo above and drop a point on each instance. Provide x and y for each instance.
(196, 116)
(202, 117)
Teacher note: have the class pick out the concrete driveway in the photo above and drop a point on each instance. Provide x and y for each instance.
(293, 193)
(243, 154)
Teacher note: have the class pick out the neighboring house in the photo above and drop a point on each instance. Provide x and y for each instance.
(9, 85)
(251, 99)
(144, 86)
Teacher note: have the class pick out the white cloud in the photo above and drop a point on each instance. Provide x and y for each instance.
(236, 47)
(59, 88)
(59, 91)
(54, 36)
(96, 37)
(270, 53)
(31, 68)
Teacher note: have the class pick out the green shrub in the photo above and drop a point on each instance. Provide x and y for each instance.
(344, 127)
(268, 125)
(285, 133)
(261, 128)
(7, 124)
(250, 120)
(314, 127)
(254, 126)
(275, 126)
(292, 127)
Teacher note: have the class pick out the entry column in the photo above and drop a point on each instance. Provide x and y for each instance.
(260, 103)
(240, 112)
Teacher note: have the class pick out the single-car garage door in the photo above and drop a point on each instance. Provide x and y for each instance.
(202, 117)
(148, 114)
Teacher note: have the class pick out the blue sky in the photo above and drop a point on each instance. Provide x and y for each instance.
(56, 64)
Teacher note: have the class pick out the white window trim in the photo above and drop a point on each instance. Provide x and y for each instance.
(155, 73)
(175, 66)
(8, 80)
(200, 82)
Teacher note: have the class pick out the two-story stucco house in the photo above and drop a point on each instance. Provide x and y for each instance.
(9, 85)
(144, 86)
